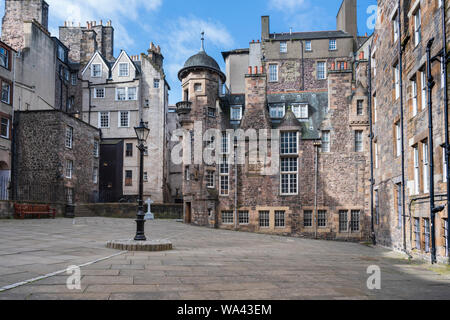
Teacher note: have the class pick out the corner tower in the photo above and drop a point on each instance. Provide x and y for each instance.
(201, 79)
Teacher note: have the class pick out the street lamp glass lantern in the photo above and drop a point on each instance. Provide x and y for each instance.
(142, 132)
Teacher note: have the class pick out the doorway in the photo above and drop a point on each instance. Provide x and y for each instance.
(188, 213)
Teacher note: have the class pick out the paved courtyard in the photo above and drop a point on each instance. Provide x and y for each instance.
(205, 264)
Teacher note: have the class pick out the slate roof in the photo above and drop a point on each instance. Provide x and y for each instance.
(310, 35)
(201, 60)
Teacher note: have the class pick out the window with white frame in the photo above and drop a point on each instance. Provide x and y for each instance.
(69, 195)
(307, 218)
(236, 113)
(69, 137)
(121, 94)
(224, 174)
(264, 219)
(69, 169)
(96, 70)
(124, 119)
(375, 146)
(321, 70)
(6, 92)
(322, 218)
(209, 179)
(280, 219)
(375, 113)
(300, 110)
(277, 111)
(99, 93)
(423, 85)
(399, 194)
(398, 140)
(417, 233)
(444, 165)
(426, 234)
(244, 218)
(96, 149)
(4, 58)
(397, 81)
(289, 143)
(443, 66)
(395, 27)
(225, 143)
(227, 217)
(95, 176)
(4, 128)
(103, 119)
(132, 93)
(308, 46)
(124, 69)
(445, 225)
(359, 146)
(414, 96)
(283, 47)
(360, 107)
(416, 170)
(426, 168)
(61, 54)
(273, 72)
(332, 44)
(354, 220)
(343, 221)
(289, 176)
(156, 83)
(374, 64)
(417, 27)
(326, 141)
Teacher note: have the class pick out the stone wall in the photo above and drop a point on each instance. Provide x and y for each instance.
(7, 208)
(128, 210)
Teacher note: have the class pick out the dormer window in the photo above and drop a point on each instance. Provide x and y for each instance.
(277, 111)
(96, 70)
(124, 69)
(236, 113)
(61, 54)
(300, 110)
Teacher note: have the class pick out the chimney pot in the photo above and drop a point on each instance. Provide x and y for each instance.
(256, 70)
(261, 69)
(345, 65)
(249, 70)
(101, 22)
(332, 66)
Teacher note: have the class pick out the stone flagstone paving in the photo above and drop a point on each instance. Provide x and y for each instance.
(205, 264)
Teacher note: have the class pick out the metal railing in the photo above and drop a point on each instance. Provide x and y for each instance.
(4, 188)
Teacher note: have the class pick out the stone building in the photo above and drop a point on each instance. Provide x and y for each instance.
(404, 224)
(56, 158)
(175, 171)
(7, 55)
(116, 96)
(308, 86)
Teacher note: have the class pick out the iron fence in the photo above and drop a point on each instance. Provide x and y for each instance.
(4, 188)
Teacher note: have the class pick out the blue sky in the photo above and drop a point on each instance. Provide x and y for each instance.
(175, 25)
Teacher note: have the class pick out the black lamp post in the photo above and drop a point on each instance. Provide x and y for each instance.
(142, 133)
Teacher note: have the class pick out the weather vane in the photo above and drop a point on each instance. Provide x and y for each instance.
(203, 40)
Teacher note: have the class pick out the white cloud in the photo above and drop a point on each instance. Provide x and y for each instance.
(285, 5)
(182, 40)
(119, 11)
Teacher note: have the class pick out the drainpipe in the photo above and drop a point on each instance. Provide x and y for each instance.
(90, 100)
(13, 131)
(400, 65)
(316, 172)
(235, 185)
(303, 66)
(433, 210)
(444, 61)
(372, 181)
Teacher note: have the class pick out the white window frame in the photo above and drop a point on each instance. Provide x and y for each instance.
(100, 119)
(244, 217)
(227, 217)
(124, 94)
(210, 179)
(397, 81)
(119, 118)
(414, 96)
(93, 70)
(375, 146)
(308, 45)
(234, 108)
(444, 165)
(96, 149)
(443, 65)
(69, 169)
(124, 73)
(8, 122)
(326, 141)
(224, 176)
(426, 168)
(275, 109)
(280, 219)
(96, 95)
(398, 140)
(396, 27)
(273, 72)
(4, 58)
(156, 83)
(8, 100)
(128, 94)
(301, 110)
(289, 175)
(332, 45)
(375, 113)
(95, 175)
(289, 141)
(320, 65)
(283, 47)
(416, 170)
(69, 137)
(359, 103)
(359, 141)
(417, 27)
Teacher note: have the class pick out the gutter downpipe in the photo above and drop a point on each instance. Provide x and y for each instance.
(12, 192)
(316, 172)
(400, 65)
(372, 181)
(303, 66)
(444, 61)
(431, 84)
